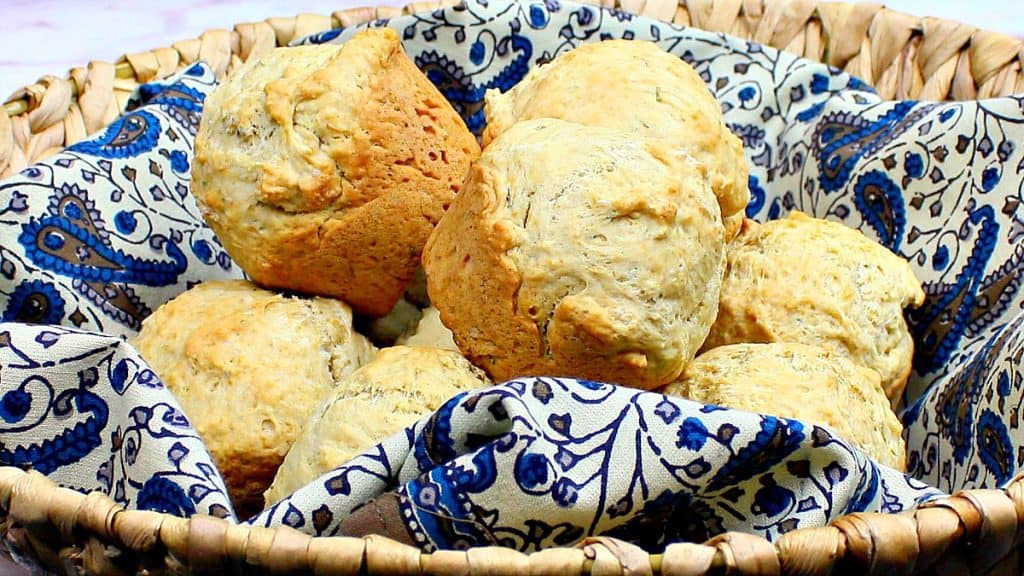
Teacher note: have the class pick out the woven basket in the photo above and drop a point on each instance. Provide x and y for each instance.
(977, 531)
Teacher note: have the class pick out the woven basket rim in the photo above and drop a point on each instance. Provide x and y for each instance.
(900, 55)
(974, 529)
(19, 101)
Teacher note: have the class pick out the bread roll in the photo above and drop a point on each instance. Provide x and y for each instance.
(800, 382)
(400, 386)
(248, 367)
(811, 281)
(579, 251)
(634, 86)
(323, 169)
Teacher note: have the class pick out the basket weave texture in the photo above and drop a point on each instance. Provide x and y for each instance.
(903, 57)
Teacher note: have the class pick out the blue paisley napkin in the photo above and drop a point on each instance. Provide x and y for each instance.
(543, 462)
(97, 237)
(85, 409)
(103, 233)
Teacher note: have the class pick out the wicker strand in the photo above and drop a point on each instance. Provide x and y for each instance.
(976, 531)
(610, 556)
(902, 56)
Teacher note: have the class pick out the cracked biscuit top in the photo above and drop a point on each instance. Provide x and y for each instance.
(248, 367)
(579, 251)
(637, 87)
(323, 169)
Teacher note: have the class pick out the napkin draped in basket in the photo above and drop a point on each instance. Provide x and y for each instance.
(95, 238)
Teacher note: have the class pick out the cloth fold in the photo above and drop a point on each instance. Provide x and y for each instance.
(543, 462)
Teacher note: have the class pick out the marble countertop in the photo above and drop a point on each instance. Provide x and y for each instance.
(50, 36)
(40, 37)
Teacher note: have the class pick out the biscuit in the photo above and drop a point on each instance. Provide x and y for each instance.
(579, 251)
(430, 332)
(248, 367)
(634, 86)
(323, 169)
(812, 281)
(397, 388)
(799, 382)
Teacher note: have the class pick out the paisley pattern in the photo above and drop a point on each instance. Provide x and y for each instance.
(84, 409)
(179, 101)
(100, 235)
(543, 462)
(130, 135)
(34, 302)
(104, 232)
(966, 429)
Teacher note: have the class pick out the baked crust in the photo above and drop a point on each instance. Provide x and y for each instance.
(248, 367)
(579, 251)
(801, 382)
(401, 385)
(323, 169)
(637, 87)
(811, 281)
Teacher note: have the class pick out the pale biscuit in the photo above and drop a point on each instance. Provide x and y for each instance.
(634, 86)
(398, 387)
(248, 367)
(799, 382)
(812, 281)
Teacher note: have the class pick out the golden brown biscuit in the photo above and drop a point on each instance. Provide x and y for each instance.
(810, 281)
(579, 251)
(801, 382)
(248, 367)
(398, 387)
(323, 169)
(634, 86)
(430, 332)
